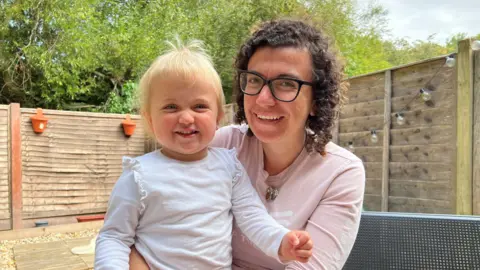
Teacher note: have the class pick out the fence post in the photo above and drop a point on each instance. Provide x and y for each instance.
(476, 134)
(16, 165)
(464, 128)
(386, 140)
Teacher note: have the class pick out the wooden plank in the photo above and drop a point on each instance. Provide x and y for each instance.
(51, 187)
(42, 180)
(373, 186)
(69, 114)
(93, 175)
(422, 135)
(464, 128)
(368, 108)
(42, 208)
(416, 205)
(406, 136)
(440, 99)
(398, 67)
(71, 144)
(75, 154)
(425, 117)
(420, 171)
(68, 149)
(373, 169)
(85, 132)
(359, 124)
(372, 202)
(54, 200)
(421, 153)
(5, 224)
(408, 81)
(81, 164)
(16, 165)
(76, 139)
(5, 210)
(476, 135)
(369, 93)
(62, 169)
(422, 189)
(361, 139)
(66, 212)
(386, 140)
(43, 231)
(5, 213)
(100, 192)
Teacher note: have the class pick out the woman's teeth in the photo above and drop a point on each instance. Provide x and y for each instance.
(263, 117)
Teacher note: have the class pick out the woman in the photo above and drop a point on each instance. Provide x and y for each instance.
(288, 89)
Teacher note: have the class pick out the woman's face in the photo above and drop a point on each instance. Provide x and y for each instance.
(271, 120)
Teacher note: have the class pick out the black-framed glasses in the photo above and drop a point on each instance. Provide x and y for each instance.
(282, 88)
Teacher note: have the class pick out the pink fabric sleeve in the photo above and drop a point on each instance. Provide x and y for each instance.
(334, 224)
(223, 138)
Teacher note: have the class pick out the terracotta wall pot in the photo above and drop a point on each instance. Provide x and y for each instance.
(128, 126)
(39, 122)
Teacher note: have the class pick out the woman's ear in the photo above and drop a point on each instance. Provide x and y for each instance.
(312, 110)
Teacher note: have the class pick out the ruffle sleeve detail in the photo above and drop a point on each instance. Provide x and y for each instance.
(237, 166)
(133, 165)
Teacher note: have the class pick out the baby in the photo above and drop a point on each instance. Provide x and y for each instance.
(176, 205)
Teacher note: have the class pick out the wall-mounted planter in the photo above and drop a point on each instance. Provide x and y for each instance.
(39, 122)
(128, 126)
(41, 223)
(90, 218)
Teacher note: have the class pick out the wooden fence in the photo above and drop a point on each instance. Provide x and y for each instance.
(426, 163)
(66, 171)
(429, 164)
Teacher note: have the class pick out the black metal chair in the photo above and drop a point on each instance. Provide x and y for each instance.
(416, 241)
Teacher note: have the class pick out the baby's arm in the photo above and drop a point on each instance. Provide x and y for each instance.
(118, 231)
(252, 217)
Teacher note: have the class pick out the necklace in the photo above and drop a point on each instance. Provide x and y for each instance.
(272, 193)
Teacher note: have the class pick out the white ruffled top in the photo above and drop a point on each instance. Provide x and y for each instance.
(179, 214)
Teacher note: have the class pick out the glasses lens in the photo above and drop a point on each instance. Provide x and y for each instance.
(250, 83)
(285, 89)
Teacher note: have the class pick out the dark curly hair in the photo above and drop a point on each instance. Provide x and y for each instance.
(327, 73)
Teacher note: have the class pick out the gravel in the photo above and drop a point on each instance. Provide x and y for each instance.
(6, 246)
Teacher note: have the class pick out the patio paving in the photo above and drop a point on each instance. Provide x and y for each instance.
(53, 255)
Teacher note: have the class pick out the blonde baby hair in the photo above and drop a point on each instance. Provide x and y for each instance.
(187, 61)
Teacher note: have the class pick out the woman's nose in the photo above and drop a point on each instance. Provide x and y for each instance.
(265, 97)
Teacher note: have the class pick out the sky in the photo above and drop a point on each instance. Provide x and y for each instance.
(418, 19)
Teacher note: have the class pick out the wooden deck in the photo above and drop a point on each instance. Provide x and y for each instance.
(53, 256)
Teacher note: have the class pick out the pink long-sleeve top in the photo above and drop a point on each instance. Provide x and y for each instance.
(320, 194)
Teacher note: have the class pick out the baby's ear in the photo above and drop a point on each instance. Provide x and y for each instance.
(148, 119)
(220, 116)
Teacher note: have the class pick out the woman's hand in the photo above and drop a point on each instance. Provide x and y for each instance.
(136, 261)
(296, 246)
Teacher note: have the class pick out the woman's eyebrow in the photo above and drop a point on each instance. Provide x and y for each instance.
(281, 75)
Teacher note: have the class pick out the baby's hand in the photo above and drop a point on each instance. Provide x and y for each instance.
(296, 245)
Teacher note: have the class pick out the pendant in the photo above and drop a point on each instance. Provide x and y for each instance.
(272, 193)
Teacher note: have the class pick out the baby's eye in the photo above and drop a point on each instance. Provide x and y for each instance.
(170, 107)
(201, 106)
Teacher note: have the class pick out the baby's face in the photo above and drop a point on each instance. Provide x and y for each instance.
(183, 116)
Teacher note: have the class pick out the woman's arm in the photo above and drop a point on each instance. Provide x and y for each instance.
(334, 224)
